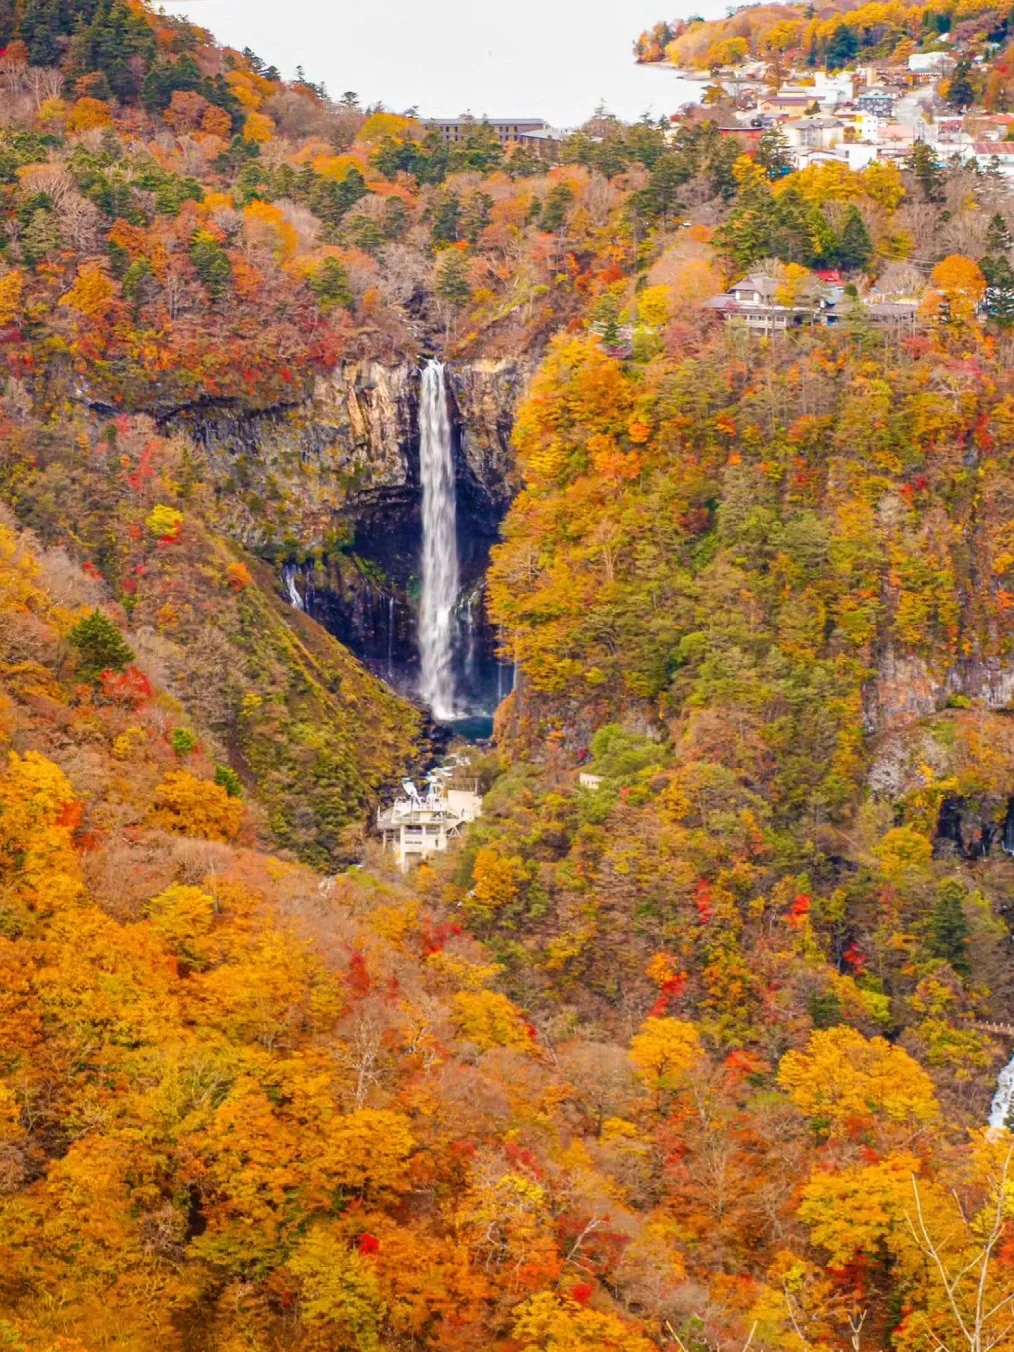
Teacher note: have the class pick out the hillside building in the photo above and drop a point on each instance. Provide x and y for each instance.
(510, 130)
(418, 825)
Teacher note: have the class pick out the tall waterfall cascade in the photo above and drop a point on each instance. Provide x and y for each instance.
(440, 572)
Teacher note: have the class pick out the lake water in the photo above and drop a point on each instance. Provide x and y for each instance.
(554, 59)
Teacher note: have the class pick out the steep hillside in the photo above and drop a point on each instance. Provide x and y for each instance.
(287, 707)
(836, 35)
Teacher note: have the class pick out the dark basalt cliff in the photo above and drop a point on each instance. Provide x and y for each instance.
(329, 490)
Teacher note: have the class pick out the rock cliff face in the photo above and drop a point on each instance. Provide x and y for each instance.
(305, 470)
(905, 687)
(330, 488)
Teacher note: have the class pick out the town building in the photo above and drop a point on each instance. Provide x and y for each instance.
(510, 130)
(752, 302)
(857, 154)
(813, 133)
(880, 102)
(828, 91)
(786, 105)
(418, 825)
(930, 63)
(897, 316)
(998, 155)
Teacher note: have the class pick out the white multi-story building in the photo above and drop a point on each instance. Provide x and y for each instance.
(930, 63)
(419, 825)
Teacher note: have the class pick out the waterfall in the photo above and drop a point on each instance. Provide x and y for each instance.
(439, 547)
(390, 637)
(289, 579)
(1003, 1103)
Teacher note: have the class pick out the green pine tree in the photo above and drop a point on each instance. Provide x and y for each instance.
(998, 236)
(773, 153)
(452, 282)
(924, 165)
(960, 94)
(330, 286)
(8, 22)
(855, 248)
(557, 208)
(949, 928)
(100, 647)
(999, 298)
(445, 224)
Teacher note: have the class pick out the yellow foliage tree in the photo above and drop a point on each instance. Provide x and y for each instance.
(882, 184)
(93, 294)
(903, 853)
(12, 288)
(37, 814)
(34, 795)
(956, 288)
(664, 1051)
(489, 1020)
(863, 1210)
(654, 305)
(183, 917)
(87, 114)
(496, 880)
(258, 129)
(728, 52)
(841, 1076)
(165, 522)
(367, 1152)
(795, 286)
(378, 126)
(195, 807)
(339, 1291)
(551, 1323)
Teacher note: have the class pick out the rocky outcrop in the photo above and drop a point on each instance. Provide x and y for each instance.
(309, 472)
(486, 395)
(905, 688)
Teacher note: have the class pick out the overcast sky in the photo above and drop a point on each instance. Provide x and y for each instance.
(527, 58)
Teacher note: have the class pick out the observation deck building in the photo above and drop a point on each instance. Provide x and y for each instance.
(417, 826)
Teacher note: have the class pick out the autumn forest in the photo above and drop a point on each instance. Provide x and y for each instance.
(696, 1039)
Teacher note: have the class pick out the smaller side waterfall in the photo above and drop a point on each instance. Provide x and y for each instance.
(289, 579)
(1003, 1103)
(440, 574)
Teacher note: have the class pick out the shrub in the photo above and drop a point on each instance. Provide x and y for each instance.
(229, 780)
(165, 522)
(182, 741)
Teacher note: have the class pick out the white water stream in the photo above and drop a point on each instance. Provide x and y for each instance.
(1003, 1103)
(289, 579)
(440, 579)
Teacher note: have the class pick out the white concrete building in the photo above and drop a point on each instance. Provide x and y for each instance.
(417, 826)
(823, 86)
(930, 63)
